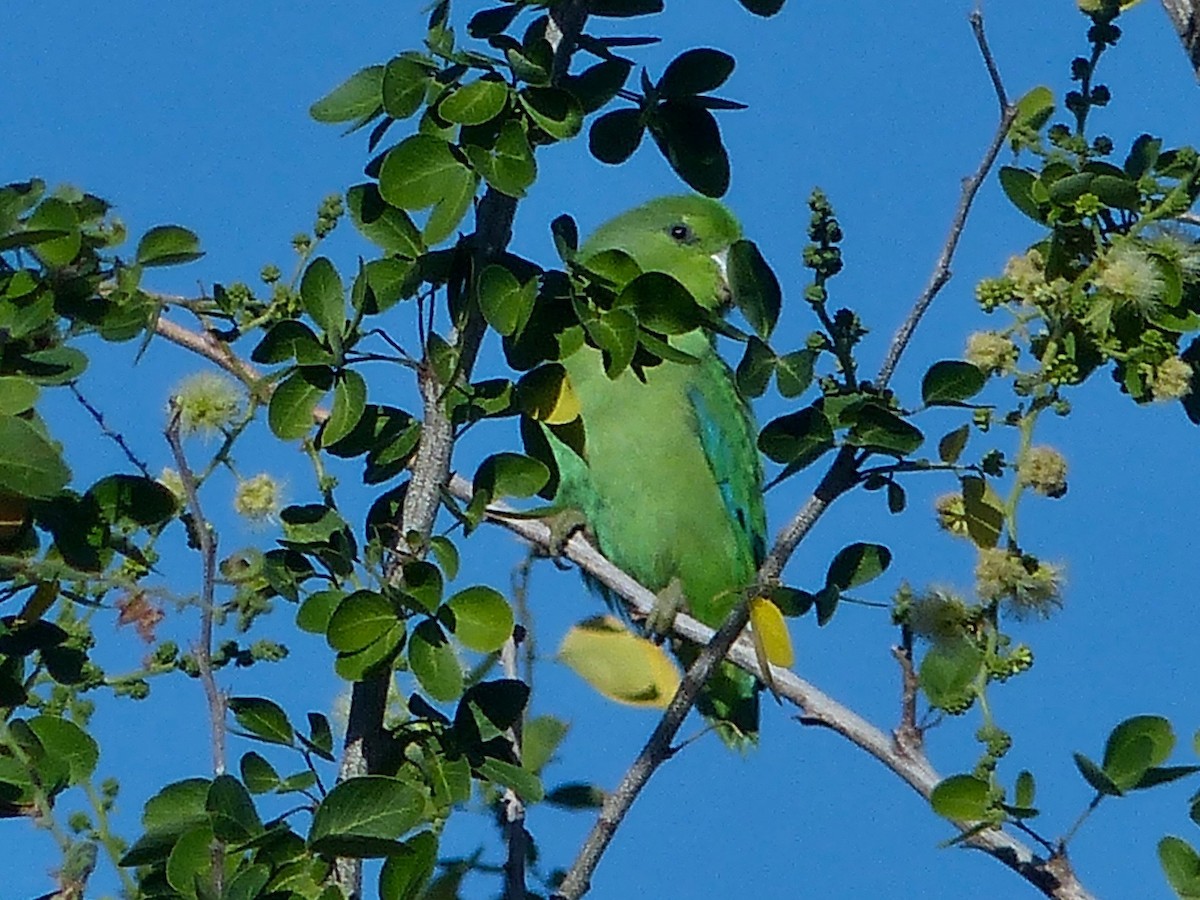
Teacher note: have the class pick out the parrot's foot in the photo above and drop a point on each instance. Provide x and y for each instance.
(667, 604)
(563, 526)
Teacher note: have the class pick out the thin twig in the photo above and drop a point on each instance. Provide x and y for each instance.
(207, 540)
(114, 436)
(515, 835)
(1051, 875)
(909, 736)
(941, 271)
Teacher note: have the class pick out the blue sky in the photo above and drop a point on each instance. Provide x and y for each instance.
(196, 114)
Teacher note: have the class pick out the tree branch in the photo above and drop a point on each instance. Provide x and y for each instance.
(207, 542)
(1185, 16)
(1053, 876)
(941, 270)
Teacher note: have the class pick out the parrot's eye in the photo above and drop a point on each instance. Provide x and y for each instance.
(682, 233)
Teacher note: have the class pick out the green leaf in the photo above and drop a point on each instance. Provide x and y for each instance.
(796, 437)
(540, 738)
(126, 500)
(190, 860)
(456, 199)
(950, 382)
(1034, 109)
(359, 97)
(418, 171)
(1096, 776)
(349, 402)
(858, 564)
(511, 168)
(952, 444)
(764, 8)
(56, 215)
(880, 429)
(475, 103)
(1181, 866)
(1143, 154)
(384, 225)
(1134, 746)
(1023, 794)
(754, 370)
(364, 817)
(755, 288)
(234, 818)
(525, 783)
(410, 865)
(446, 554)
(263, 719)
(595, 86)
(423, 582)
(320, 737)
(510, 475)
(553, 110)
(258, 774)
(434, 663)
(289, 339)
(482, 618)
(177, 807)
(961, 798)
(576, 796)
(984, 511)
(489, 22)
(1018, 187)
(505, 303)
(290, 412)
(948, 671)
(248, 883)
(661, 303)
(689, 139)
(168, 245)
(402, 88)
(68, 742)
(55, 365)
(1117, 192)
(30, 464)
(323, 295)
(615, 136)
(794, 372)
(362, 618)
(695, 71)
(625, 8)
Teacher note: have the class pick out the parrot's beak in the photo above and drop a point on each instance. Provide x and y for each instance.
(722, 261)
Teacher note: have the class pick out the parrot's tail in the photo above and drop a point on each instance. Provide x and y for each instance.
(729, 701)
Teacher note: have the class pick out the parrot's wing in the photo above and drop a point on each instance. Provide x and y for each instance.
(727, 437)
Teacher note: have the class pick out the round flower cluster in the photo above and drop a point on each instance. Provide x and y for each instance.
(207, 403)
(951, 513)
(1045, 470)
(1028, 584)
(258, 498)
(992, 352)
(1171, 380)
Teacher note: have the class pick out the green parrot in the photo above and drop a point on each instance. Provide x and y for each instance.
(671, 482)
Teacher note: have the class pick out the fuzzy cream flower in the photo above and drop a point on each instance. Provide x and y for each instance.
(992, 352)
(207, 403)
(951, 514)
(258, 498)
(1130, 278)
(1045, 470)
(1171, 380)
(1027, 585)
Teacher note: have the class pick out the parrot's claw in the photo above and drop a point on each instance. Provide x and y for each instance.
(667, 604)
(563, 526)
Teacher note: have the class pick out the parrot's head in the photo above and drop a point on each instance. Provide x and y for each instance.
(684, 236)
